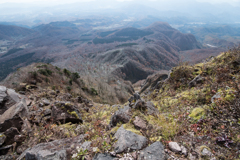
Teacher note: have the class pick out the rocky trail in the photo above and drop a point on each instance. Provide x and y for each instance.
(193, 112)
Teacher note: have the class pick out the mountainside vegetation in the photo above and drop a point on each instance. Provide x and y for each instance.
(190, 113)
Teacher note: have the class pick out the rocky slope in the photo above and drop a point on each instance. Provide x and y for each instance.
(191, 114)
(43, 76)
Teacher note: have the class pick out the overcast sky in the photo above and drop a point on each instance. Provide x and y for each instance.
(70, 1)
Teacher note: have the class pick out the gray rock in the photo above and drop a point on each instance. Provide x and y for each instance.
(3, 94)
(47, 112)
(206, 152)
(45, 101)
(58, 149)
(14, 96)
(46, 155)
(104, 156)
(18, 109)
(7, 157)
(128, 141)
(216, 96)
(66, 112)
(184, 150)
(122, 115)
(2, 138)
(16, 112)
(174, 147)
(86, 145)
(8, 98)
(139, 123)
(153, 152)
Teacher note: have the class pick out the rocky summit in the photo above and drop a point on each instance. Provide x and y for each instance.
(191, 112)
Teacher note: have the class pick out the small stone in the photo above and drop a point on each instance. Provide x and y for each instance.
(206, 152)
(113, 153)
(45, 101)
(184, 150)
(175, 147)
(139, 123)
(215, 97)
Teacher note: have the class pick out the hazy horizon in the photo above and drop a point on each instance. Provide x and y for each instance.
(35, 12)
(232, 2)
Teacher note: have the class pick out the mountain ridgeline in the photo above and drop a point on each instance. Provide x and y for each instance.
(125, 52)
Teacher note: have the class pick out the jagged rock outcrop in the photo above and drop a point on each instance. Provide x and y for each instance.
(8, 97)
(66, 112)
(152, 80)
(13, 116)
(58, 149)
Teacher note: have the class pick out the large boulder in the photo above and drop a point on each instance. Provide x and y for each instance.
(153, 152)
(128, 141)
(58, 149)
(13, 116)
(8, 98)
(65, 112)
(122, 115)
